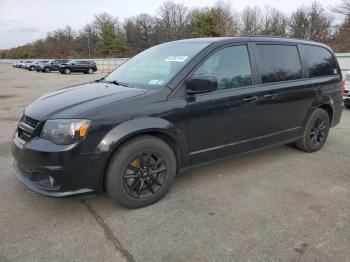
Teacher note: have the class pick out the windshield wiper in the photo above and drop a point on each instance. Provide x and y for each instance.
(117, 83)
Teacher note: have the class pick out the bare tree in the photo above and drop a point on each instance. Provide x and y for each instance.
(60, 42)
(173, 20)
(140, 32)
(341, 36)
(251, 21)
(228, 20)
(299, 23)
(320, 23)
(311, 23)
(274, 22)
(343, 8)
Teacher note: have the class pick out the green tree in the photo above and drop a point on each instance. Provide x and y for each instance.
(111, 40)
(207, 24)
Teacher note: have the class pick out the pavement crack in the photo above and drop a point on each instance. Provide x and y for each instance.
(108, 232)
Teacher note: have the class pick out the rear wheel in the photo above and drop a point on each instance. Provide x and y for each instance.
(141, 172)
(31, 68)
(315, 132)
(47, 69)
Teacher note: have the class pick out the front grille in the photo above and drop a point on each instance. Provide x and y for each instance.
(30, 121)
(27, 127)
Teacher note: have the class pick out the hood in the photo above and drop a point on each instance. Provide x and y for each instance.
(70, 102)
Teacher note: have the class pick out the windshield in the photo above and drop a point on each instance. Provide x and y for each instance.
(156, 66)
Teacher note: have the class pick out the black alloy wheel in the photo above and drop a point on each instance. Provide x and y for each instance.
(141, 171)
(145, 174)
(317, 132)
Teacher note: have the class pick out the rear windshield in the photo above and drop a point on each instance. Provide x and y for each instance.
(156, 66)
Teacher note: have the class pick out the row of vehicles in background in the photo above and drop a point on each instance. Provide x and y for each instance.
(347, 89)
(64, 66)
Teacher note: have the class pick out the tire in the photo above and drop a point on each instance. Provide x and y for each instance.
(47, 70)
(31, 68)
(90, 71)
(315, 132)
(67, 71)
(141, 188)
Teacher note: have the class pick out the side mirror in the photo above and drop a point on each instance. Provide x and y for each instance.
(202, 84)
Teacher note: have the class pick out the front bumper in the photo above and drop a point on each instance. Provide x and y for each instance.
(55, 170)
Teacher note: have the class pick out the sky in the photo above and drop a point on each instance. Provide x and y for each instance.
(24, 21)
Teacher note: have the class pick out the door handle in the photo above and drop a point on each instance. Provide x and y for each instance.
(270, 96)
(250, 99)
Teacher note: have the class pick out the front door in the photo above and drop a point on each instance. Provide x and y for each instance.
(223, 122)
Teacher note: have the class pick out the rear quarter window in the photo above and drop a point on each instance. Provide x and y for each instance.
(278, 63)
(320, 62)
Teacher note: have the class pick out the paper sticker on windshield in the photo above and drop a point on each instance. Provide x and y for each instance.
(176, 58)
(155, 82)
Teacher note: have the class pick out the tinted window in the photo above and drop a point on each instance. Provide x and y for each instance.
(279, 63)
(230, 65)
(320, 61)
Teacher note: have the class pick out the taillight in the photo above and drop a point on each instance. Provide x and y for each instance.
(342, 87)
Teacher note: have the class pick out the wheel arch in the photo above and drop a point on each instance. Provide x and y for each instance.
(324, 102)
(156, 127)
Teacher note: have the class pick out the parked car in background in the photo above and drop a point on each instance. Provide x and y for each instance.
(16, 64)
(347, 89)
(174, 106)
(84, 66)
(32, 66)
(52, 65)
(24, 63)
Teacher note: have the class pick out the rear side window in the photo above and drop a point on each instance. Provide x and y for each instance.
(279, 63)
(230, 65)
(319, 60)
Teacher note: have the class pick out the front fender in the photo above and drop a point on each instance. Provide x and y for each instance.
(128, 129)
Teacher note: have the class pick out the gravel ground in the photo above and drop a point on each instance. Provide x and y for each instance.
(275, 205)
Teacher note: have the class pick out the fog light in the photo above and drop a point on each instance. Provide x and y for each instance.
(52, 181)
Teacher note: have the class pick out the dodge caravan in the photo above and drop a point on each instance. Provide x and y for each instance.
(174, 106)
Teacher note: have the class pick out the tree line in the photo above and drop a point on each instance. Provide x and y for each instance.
(107, 36)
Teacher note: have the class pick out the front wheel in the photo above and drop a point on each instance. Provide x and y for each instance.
(141, 172)
(315, 132)
(90, 71)
(67, 71)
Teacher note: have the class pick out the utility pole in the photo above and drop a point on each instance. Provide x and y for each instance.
(89, 43)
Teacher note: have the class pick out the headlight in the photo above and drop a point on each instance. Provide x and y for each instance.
(65, 131)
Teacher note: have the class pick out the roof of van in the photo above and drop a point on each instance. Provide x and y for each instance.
(253, 38)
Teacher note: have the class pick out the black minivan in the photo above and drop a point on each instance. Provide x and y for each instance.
(174, 106)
